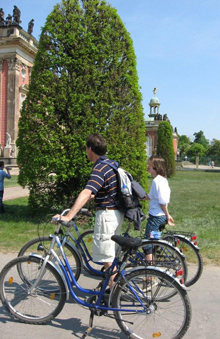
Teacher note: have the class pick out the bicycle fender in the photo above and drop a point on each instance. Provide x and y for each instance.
(166, 242)
(57, 269)
(157, 269)
(180, 236)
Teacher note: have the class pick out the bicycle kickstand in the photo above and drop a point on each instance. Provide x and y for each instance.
(89, 329)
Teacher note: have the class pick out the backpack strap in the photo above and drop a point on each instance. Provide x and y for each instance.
(114, 166)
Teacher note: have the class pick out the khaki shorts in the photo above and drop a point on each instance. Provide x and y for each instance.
(107, 223)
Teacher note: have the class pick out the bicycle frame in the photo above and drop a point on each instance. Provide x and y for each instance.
(67, 275)
(81, 246)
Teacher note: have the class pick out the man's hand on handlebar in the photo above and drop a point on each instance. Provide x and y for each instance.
(59, 217)
(65, 218)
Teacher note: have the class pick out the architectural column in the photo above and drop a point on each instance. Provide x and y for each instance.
(1, 62)
(13, 100)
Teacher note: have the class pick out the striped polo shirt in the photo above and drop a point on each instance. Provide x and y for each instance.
(103, 184)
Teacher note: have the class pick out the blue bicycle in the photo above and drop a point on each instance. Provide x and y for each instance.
(78, 249)
(146, 302)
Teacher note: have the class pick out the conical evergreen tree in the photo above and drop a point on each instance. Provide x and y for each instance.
(165, 146)
(84, 80)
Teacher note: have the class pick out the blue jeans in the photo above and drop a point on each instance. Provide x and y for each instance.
(153, 224)
(1, 203)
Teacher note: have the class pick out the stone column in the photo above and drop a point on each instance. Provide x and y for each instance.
(1, 62)
(13, 99)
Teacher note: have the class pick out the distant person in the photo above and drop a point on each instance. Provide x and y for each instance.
(213, 164)
(3, 175)
(159, 196)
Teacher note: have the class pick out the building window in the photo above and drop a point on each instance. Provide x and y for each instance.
(149, 146)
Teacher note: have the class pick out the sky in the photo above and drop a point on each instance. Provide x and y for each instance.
(177, 46)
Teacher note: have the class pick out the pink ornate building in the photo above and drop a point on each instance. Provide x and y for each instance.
(152, 124)
(17, 52)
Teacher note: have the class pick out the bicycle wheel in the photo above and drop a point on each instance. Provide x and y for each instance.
(165, 256)
(36, 306)
(86, 243)
(41, 244)
(192, 256)
(155, 314)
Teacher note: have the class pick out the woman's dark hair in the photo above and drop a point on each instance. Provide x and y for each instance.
(158, 165)
(97, 143)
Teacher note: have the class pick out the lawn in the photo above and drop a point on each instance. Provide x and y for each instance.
(11, 182)
(195, 206)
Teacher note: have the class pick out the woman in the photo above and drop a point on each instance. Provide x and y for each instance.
(159, 197)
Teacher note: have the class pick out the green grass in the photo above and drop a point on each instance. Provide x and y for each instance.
(195, 206)
(11, 182)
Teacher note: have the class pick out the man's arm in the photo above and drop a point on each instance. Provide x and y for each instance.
(8, 172)
(81, 200)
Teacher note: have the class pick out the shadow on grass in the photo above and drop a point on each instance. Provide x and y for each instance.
(18, 210)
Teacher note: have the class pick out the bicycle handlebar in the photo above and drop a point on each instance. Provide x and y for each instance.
(83, 211)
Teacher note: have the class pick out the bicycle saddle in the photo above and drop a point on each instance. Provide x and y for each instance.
(127, 243)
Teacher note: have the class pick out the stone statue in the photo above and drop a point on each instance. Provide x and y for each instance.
(8, 140)
(157, 117)
(165, 117)
(16, 15)
(30, 26)
(9, 20)
(2, 14)
(155, 90)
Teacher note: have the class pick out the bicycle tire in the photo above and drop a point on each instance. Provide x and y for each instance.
(163, 316)
(192, 255)
(38, 306)
(86, 240)
(39, 244)
(166, 256)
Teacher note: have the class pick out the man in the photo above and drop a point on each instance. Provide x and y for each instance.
(102, 186)
(3, 175)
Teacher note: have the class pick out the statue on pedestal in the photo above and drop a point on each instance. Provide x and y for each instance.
(16, 15)
(9, 20)
(2, 14)
(8, 140)
(30, 26)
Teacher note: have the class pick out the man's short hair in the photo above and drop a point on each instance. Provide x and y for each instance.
(97, 143)
(2, 163)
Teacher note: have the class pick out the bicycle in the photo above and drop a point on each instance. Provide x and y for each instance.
(79, 251)
(187, 244)
(38, 294)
